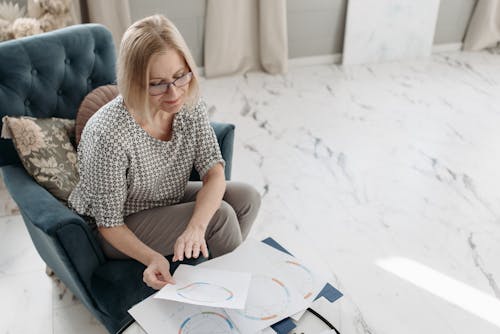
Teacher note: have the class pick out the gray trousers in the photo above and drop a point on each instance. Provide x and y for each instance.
(160, 227)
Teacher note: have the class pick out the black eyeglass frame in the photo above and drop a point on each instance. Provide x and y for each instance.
(169, 84)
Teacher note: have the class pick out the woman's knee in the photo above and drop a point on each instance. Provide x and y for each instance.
(254, 197)
(243, 197)
(224, 218)
(226, 210)
(223, 232)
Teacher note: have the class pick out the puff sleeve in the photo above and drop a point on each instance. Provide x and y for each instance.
(102, 190)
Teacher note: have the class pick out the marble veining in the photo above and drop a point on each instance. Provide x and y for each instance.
(356, 164)
(366, 162)
(477, 261)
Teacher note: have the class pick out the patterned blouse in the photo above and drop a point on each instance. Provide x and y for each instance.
(124, 170)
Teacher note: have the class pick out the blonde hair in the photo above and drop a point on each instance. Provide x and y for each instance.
(143, 39)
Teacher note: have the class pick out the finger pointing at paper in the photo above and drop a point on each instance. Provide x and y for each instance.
(190, 243)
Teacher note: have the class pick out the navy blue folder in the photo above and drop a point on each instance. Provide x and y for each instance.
(329, 292)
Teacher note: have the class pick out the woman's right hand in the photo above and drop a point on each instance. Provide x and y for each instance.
(157, 273)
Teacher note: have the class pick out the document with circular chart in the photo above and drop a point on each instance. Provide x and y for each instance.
(278, 286)
(281, 284)
(209, 287)
(159, 316)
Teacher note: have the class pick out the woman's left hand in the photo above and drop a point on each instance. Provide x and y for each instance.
(191, 242)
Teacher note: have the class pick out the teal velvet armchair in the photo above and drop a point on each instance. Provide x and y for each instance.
(48, 75)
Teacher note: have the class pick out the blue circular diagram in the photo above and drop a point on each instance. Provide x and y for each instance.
(207, 323)
(205, 292)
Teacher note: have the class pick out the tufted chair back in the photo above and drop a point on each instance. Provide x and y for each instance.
(49, 75)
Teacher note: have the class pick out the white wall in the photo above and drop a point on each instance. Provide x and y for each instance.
(187, 15)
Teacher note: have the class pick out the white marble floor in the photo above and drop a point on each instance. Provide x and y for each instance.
(388, 174)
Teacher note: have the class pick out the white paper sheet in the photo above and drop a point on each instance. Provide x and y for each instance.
(159, 316)
(298, 316)
(209, 287)
(281, 285)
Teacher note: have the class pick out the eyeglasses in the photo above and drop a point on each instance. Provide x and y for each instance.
(158, 89)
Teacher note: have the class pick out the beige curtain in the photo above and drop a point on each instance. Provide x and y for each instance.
(114, 14)
(76, 13)
(484, 27)
(243, 35)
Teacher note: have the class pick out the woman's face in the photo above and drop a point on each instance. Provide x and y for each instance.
(165, 68)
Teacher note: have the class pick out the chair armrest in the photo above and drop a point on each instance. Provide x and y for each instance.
(36, 203)
(62, 238)
(225, 137)
(48, 214)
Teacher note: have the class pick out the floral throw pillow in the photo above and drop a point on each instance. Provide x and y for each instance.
(45, 149)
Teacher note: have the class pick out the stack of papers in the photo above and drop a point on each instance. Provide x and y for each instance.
(244, 292)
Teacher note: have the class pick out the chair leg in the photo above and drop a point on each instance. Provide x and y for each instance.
(62, 289)
(49, 271)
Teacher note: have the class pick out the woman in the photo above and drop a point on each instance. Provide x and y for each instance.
(136, 154)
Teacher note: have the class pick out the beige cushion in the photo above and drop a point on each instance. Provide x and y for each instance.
(45, 149)
(90, 104)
